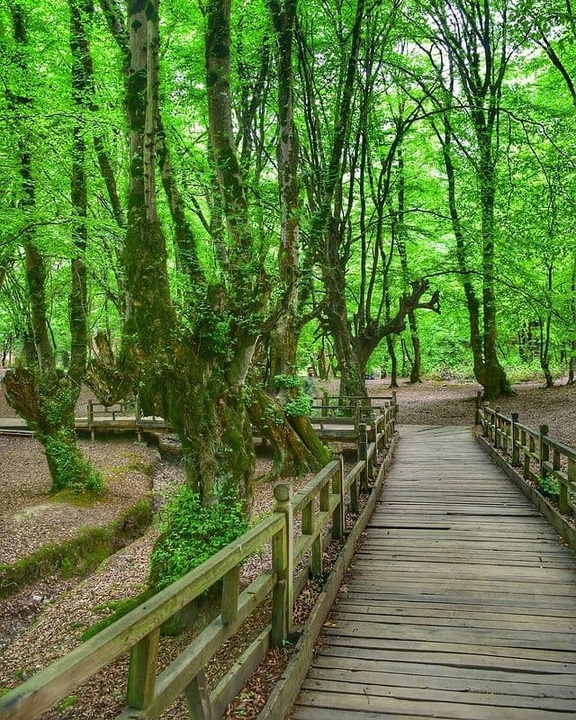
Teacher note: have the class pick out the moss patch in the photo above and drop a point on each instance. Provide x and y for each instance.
(79, 556)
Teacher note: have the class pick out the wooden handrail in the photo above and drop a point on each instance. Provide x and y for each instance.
(321, 505)
(539, 456)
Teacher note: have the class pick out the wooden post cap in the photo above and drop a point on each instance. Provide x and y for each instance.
(282, 492)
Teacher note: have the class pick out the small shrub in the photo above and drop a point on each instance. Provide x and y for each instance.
(192, 533)
(549, 485)
(299, 406)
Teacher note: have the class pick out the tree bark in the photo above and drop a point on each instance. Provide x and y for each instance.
(284, 336)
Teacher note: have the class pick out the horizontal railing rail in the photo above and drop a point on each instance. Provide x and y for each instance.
(541, 459)
(296, 533)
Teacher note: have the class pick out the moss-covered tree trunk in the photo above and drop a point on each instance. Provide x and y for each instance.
(295, 446)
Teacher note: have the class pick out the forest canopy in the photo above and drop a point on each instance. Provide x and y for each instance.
(199, 199)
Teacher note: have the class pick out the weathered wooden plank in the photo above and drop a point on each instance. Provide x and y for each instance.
(558, 684)
(466, 618)
(369, 631)
(440, 656)
(414, 708)
(401, 692)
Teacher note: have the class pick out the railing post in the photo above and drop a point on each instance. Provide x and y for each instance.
(142, 671)
(563, 500)
(198, 698)
(308, 528)
(90, 419)
(325, 408)
(485, 422)
(496, 438)
(358, 414)
(515, 448)
(138, 418)
(339, 510)
(478, 406)
(354, 507)
(529, 450)
(363, 456)
(394, 404)
(543, 449)
(282, 564)
(376, 441)
(230, 593)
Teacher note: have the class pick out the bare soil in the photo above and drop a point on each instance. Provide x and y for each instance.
(61, 610)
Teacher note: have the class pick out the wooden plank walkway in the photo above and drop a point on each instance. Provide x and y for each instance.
(461, 602)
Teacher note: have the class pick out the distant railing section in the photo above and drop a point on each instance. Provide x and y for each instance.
(335, 418)
(123, 415)
(541, 459)
(295, 533)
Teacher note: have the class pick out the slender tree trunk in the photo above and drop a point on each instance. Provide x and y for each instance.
(393, 361)
(495, 381)
(417, 361)
(572, 362)
(545, 333)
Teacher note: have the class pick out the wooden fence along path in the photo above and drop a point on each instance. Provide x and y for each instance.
(295, 535)
(461, 602)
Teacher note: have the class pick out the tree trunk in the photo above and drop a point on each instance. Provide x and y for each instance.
(292, 455)
(284, 336)
(393, 361)
(417, 361)
(44, 398)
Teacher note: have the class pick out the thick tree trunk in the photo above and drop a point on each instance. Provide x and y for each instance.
(284, 336)
(47, 403)
(292, 455)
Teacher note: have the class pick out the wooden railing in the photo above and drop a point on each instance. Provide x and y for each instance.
(123, 415)
(320, 507)
(541, 459)
(336, 420)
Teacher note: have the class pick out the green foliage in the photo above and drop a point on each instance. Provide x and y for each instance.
(72, 470)
(67, 702)
(192, 533)
(549, 485)
(286, 382)
(298, 406)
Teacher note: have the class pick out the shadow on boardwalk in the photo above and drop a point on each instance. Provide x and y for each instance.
(461, 602)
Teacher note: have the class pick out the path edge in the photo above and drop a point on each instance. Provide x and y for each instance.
(279, 704)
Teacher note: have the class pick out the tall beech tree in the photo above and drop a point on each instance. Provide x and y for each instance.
(193, 364)
(349, 168)
(472, 40)
(36, 389)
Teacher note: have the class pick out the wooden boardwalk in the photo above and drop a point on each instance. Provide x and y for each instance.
(461, 602)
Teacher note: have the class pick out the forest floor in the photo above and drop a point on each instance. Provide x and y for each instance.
(44, 621)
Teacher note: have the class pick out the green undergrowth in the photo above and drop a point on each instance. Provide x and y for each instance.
(79, 556)
(191, 534)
